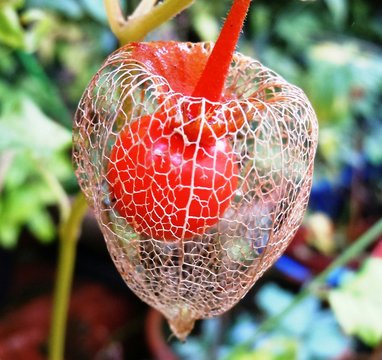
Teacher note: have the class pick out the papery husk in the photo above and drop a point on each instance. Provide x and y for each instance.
(273, 133)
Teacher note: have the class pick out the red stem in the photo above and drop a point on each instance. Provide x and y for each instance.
(211, 82)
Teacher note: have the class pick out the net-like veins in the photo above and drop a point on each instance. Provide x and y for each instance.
(171, 185)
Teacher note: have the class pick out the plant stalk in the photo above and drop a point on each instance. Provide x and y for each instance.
(137, 26)
(211, 82)
(68, 237)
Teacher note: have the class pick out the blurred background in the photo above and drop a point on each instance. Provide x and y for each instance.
(50, 49)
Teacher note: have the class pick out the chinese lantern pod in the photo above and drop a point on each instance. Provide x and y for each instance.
(193, 247)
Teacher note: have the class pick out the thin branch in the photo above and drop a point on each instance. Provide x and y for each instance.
(114, 15)
(135, 28)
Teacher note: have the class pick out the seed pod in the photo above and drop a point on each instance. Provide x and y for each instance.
(196, 199)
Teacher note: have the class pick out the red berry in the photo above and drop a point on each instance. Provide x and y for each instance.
(165, 188)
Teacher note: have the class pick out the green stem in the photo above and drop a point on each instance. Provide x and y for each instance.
(115, 16)
(362, 243)
(69, 233)
(135, 28)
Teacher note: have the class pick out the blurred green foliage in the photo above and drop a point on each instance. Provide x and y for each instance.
(30, 145)
(48, 52)
(340, 73)
(49, 49)
(357, 303)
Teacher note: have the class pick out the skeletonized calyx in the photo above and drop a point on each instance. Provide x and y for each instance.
(195, 198)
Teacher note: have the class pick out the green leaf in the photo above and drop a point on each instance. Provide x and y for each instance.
(21, 204)
(358, 303)
(275, 348)
(301, 33)
(339, 10)
(7, 64)
(40, 27)
(95, 8)
(41, 225)
(24, 126)
(17, 4)
(11, 32)
(25, 196)
(8, 234)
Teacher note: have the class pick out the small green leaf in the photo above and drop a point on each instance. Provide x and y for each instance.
(25, 196)
(41, 225)
(358, 303)
(7, 64)
(11, 32)
(8, 234)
